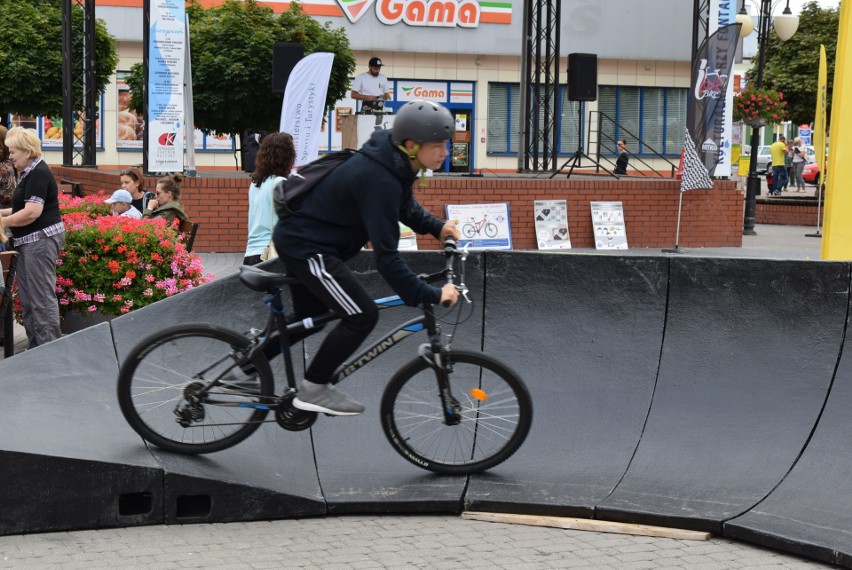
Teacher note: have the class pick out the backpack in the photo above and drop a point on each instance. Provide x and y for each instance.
(289, 192)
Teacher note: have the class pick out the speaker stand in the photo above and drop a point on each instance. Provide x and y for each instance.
(575, 161)
(579, 154)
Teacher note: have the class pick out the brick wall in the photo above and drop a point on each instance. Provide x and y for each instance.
(791, 212)
(710, 218)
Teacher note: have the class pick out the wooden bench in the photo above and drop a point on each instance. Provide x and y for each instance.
(188, 230)
(8, 259)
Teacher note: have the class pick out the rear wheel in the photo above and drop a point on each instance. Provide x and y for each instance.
(493, 407)
(173, 391)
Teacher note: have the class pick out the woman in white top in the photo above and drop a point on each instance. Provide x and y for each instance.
(799, 161)
(274, 160)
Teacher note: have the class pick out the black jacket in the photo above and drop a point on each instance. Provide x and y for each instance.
(364, 199)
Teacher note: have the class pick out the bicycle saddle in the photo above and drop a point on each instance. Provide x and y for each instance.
(261, 280)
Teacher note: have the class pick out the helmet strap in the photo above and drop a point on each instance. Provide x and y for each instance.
(412, 155)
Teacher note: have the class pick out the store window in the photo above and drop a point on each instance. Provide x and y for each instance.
(504, 113)
(651, 119)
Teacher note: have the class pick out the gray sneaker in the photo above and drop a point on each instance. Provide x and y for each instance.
(324, 398)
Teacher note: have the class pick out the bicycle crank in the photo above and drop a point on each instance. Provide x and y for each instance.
(291, 418)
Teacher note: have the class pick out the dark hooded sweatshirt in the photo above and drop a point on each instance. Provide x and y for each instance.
(363, 200)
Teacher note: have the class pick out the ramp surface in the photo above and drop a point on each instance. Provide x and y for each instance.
(707, 394)
(747, 360)
(584, 332)
(810, 513)
(67, 458)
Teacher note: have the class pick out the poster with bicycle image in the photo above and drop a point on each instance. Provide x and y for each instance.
(483, 226)
(608, 225)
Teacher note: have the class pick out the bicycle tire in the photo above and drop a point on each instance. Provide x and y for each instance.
(469, 230)
(413, 418)
(160, 371)
(490, 230)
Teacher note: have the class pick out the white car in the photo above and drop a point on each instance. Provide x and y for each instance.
(764, 157)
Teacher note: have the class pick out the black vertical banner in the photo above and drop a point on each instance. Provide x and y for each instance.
(705, 106)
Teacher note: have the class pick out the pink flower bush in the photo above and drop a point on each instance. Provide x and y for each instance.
(116, 264)
(752, 104)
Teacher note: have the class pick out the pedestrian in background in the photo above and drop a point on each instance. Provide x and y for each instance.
(779, 171)
(274, 160)
(38, 234)
(788, 163)
(167, 202)
(8, 180)
(623, 158)
(799, 161)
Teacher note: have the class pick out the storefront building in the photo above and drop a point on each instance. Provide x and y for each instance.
(466, 55)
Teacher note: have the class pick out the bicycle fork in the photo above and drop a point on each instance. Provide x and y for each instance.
(433, 354)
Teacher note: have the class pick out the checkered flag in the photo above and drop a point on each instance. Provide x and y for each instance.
(695, 175)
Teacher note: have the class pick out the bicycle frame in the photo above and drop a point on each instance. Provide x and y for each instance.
(277, 322)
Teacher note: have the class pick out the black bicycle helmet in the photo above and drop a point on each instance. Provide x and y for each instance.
(422, 121)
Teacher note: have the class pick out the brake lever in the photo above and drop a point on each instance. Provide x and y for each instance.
(463, 290)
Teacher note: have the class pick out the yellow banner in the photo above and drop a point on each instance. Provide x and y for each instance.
(819, 116)
(837, 234)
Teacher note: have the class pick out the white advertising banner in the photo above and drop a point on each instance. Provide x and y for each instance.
(167, 52)
(551, 224)
(722, 13)
(608, 225)
(483, 226)
(303, 108)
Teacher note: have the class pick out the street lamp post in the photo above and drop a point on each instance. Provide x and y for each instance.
(785, 26)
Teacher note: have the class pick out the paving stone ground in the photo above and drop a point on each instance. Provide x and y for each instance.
(378, 542)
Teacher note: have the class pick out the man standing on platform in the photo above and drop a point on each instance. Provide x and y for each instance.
(371, 88)
(779, 171)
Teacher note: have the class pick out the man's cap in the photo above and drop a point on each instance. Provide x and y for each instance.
(120, 196)
(375, 62)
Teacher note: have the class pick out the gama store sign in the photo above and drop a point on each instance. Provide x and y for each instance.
(435, 13)
(437, 91)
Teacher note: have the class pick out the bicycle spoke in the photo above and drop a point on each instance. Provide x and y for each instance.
(171, 393)
(488, 409)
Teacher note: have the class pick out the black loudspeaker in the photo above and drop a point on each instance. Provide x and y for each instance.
(582, 77)
(285, 56)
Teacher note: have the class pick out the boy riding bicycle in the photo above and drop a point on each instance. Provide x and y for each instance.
(363, 199)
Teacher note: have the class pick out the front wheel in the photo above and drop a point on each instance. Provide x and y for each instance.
(186, 389)
(490, 230)
(492, 403)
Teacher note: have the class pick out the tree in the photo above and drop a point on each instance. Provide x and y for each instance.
(31, 52)
(231, 46)
(792, 66)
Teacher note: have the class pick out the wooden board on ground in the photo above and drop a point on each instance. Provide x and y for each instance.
(588, 524)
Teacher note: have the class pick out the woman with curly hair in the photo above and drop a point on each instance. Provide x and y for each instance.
(274, 160)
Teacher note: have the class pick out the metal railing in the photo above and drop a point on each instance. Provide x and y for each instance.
(599, 120)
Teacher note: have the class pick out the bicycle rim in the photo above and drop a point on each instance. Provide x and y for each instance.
(164, 381)
(495, 409)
